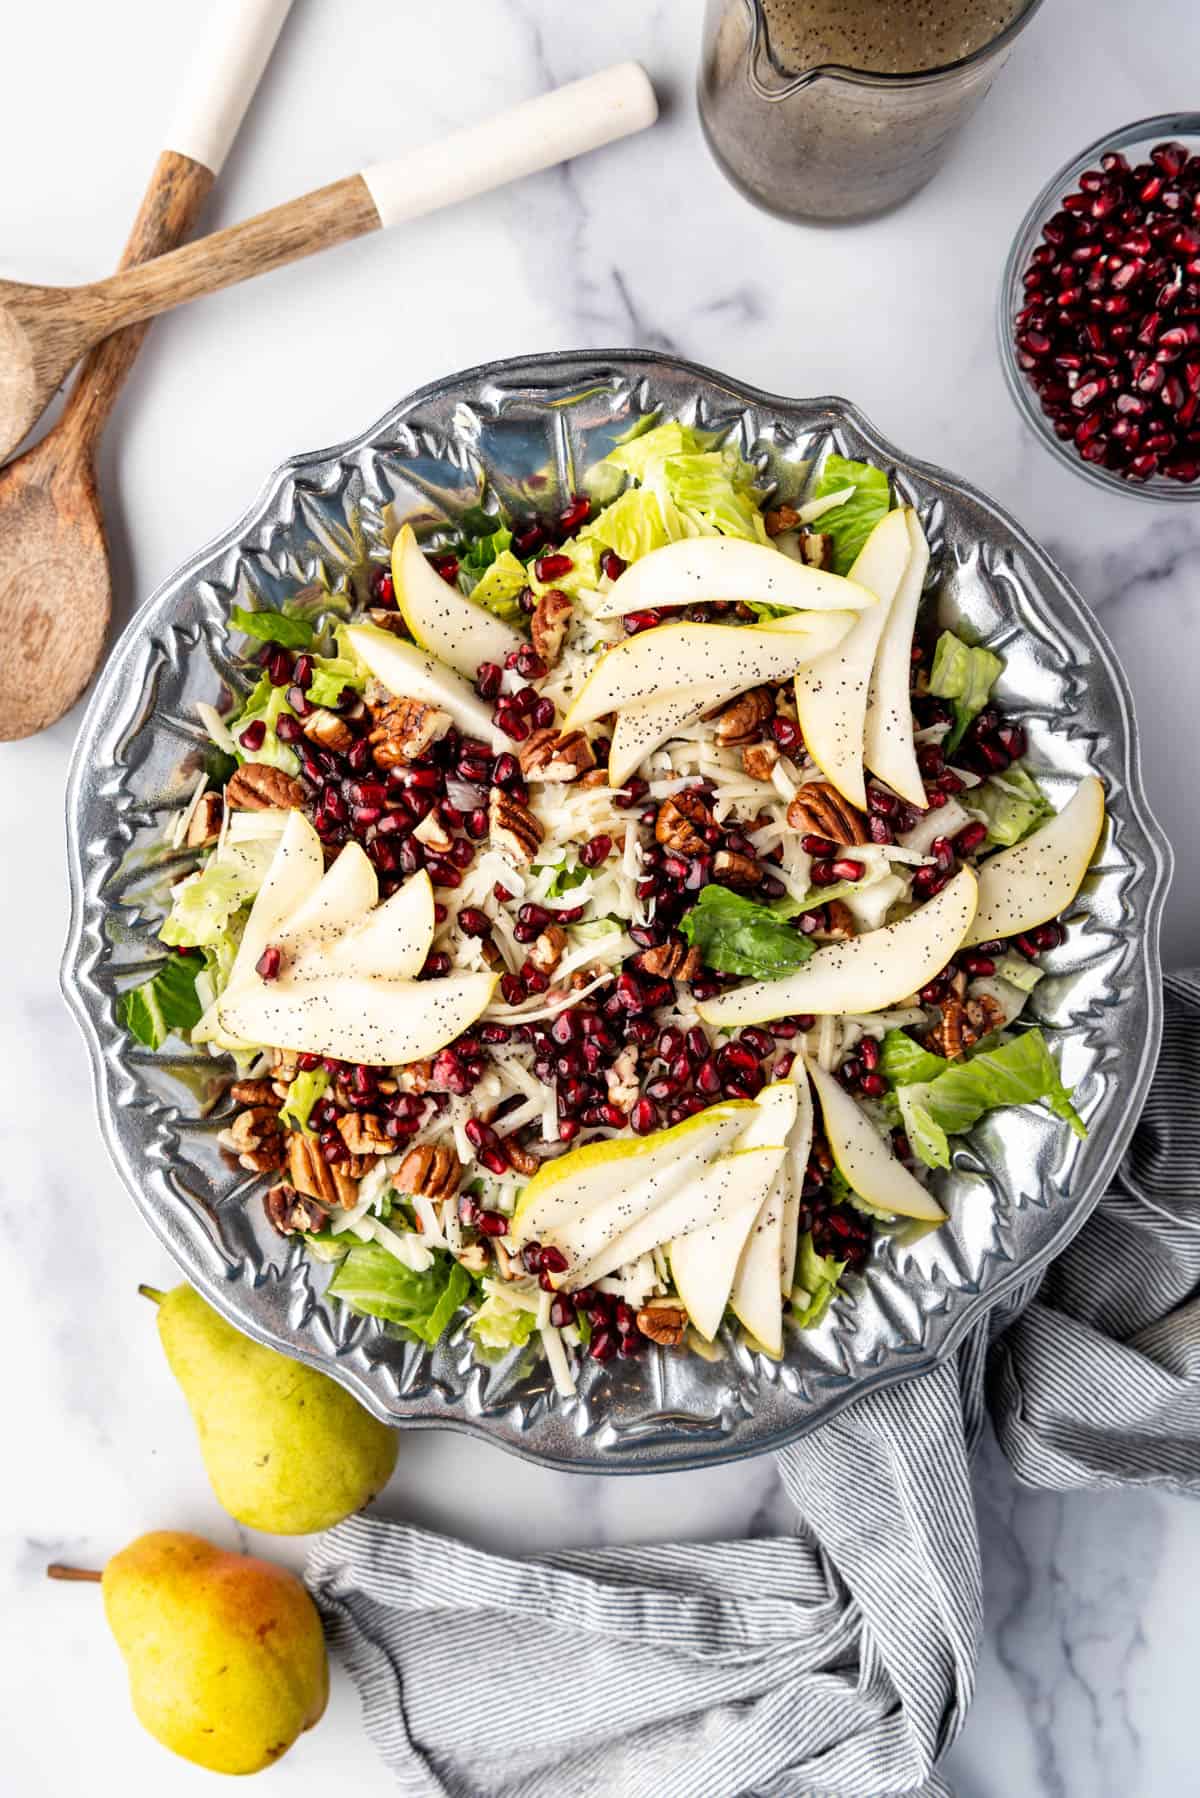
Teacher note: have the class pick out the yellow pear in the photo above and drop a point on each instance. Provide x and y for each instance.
(287, 1449)
(225, 1654)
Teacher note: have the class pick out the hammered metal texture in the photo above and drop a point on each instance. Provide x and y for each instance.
(1020, 1184)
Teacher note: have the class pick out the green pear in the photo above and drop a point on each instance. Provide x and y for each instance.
(287, 1449)
(225, 1653)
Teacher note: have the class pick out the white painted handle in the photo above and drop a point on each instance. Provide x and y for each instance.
(567, 122)
(227, 70)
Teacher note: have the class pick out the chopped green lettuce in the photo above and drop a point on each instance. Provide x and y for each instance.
(269, 704)
(845, 1194)
(632, 526)
(817, 1279)
(851, 523)
(165, 1003)
(1018, 972)
(499, 585)
(373, 1283)
(710, 489)
(736, 935)
(333, 674)
(324, 1245)
(302, 1095)
(966, 676)
(204, 906)
(926, 1138)
(582, 576)
(1012, 805)
(903, 1062)
(272, 627)
(483, 547)
(639, 454)
(937, 1099)
(499, 1323)
(691, 486)
(566, 876)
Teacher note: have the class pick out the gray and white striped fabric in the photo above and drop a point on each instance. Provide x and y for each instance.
(839, 1662)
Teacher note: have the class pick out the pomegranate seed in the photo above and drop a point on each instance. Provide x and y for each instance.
(269, 963)
(474, 922)
(493, 1223)
(874, 1085)
(786, 734)
(287, 729)
(572, 516)
(253, 737)
(279, 668)
(977, 965)
(822, 875)
(970, 838)
(488, 678)
(446, 566)
(302, 673)
(819, 846)
(382, 588)
(603, 1345)
(643, 1118)
(552, 568)
(848, 870)
(562, 1311)
(611, 565)
(596, 850)
(636, 622)
(552, 1261)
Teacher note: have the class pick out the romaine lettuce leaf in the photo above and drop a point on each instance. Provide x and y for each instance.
(203, 907)
(966, 676)
(165, 1003)
(270, 704)
(851, 523)
(499, 584)
(1012, 805)
(373, 1283)
(710, 489)
(736, 935)
(817, 1279)
(302, 1095)
(272, 627)
(926, 1139)
(638, 454)
(632, 526)
(482, 549)
(1018, 1072)
(499, 1324)
(903, 1061)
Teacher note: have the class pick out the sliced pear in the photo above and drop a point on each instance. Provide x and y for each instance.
(382, 1023)
(391, 942)
(292, 878)
(412, 673)
(641, 729)
(1023, 887)
(704, 1263)
(347, 893)
(586, 1199)
(703, 570)
(888, 749)
(831, 695)
(865, 1158)
(792, 1174)
(440, 618)
(755, 1298)
(864, 974)
(673, 656)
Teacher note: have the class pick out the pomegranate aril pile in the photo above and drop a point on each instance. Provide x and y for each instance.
(1109, 335)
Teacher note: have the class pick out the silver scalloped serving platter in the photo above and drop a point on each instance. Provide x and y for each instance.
(1020, 1185)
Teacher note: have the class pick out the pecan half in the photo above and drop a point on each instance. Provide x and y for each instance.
(742, 720)
(622, 1079)
(385, 619)
(759, 759)
(204, 825)
(819, 810)
(310, 1173)
(682, 823)
(954, 1034)
(817, 549)
(513, 827)
(732, 869)
(663, 1321)
(672, 960)
(433, 833)
(256, 1138)
(433, 1172)
(985, 1014)
(252, 1092)
(405, 729)
(550, 756)
(778, 519)
(289, 1211)
(595, 777)
(257, 788)
(839, 922)
(363, 1133)
(523, 1161)
(548, 626)
(327, 729)
(547, 950)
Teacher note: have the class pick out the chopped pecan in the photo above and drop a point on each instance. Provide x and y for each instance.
(285, 1064)
(547, 950)
(550, 756)
(954, 1034)
(759, 759)
(548, 626)
(622, 1079)
(839, 922)
(204, 825)
(513, 827)
(415, 1077)
(595, 777)
(258, 788)
(819, 810)
(523, 1161)
(310, 1173)
(289, 1211)
(817, 549)
(663, 1321)
(256, 1138)
(252, 1092)
(385, 619)
(779, 519)
(672, 960)
(433, 1172)
(985, 1014)
(363, 1133)
(682, 823)
(474, 1258)
(433, 833)
(405, 729)
(732, 869)
(742, 720)
(327, 729)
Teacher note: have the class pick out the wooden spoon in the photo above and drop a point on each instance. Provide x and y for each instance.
(55, 587)
(54, 590)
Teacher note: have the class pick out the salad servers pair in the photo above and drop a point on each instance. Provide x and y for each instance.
(55, 581)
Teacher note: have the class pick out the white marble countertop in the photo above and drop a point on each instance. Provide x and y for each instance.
(1092, 1642)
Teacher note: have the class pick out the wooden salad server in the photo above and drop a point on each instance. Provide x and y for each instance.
(55, 585)
(45, 590)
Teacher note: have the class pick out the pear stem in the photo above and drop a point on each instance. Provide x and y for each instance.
(153, 1293)
(56, 1570)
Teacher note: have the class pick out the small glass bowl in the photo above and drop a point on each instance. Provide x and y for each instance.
(1135, 141)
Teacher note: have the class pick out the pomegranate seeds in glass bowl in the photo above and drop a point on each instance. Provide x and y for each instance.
(1100, 311)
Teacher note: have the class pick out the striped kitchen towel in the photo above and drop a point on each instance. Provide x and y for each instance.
(838, 1663)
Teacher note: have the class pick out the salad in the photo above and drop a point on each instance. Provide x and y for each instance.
(613, 918)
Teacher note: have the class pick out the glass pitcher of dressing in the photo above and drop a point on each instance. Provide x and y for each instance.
(837, 109)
